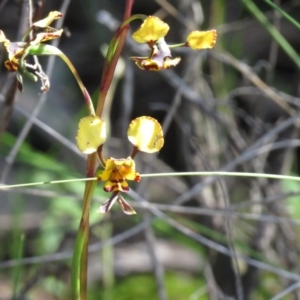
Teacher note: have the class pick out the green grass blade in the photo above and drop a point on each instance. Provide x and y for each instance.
(79, 260)
(286, 15)
(18, 268)
(278, 37)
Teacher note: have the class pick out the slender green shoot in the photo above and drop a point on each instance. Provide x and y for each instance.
(18, 267)
(277, 36)
(105, 232)
(286, 15)
(175, 174)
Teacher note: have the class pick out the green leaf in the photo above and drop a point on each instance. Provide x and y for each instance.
(32, 157)
(44, 49)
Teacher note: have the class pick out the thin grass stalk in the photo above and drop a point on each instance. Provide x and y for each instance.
(18, 268)
(280, 39)
(218, 12)
(171, 174)
(283, 13)
(106, 233)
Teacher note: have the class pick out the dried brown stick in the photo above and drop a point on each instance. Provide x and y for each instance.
(254, 79)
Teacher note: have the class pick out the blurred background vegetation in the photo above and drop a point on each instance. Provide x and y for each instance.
(233, 108)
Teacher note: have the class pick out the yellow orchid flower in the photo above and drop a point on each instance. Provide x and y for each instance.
(201, 39)
(17, 51)
(44, 23)
(153, 30)
(91, 134)
(145, 134)
(46, 36)
(125, 206)
(116, 172)
(152, 64)
(160, 58)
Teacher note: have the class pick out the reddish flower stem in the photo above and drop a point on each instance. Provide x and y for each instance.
(111, 62)
(80, 256)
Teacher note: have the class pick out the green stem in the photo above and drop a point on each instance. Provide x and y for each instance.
(84, 256)
(177, 45)
(286, 15)
(44, 49)
(132, 18)
(80, 256)
(157, 175)
(283, 43)
(100, 156)
(26, 34)
(79, 261)
(18, 268)
(86, 95)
